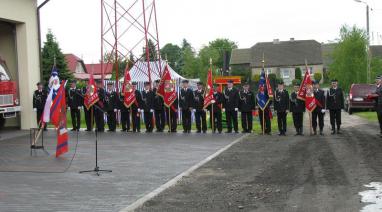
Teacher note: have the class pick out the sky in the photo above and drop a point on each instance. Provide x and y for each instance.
(76, 23)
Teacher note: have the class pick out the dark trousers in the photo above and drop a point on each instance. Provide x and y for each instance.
(88, 118)
(281, 121)
(379, 114)
(125, 120)
(111, 120)
(98, 117)
(148, 118)
(136, 120)
(75, 114)
(297, 121)
(231, 117)
(217, 121)
(171, 117)
(186, 120)
(335, 119)
(320, 116)
(246, 121)
(160, 119)
(201, 120)
(267, 121)
(39, 115)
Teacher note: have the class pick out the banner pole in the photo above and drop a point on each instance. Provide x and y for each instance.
(212, 118)
(169, 119)
(310, 122)
(263, 121)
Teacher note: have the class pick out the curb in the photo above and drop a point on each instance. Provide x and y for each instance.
(138, 203)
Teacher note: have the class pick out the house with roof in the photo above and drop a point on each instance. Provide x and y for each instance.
(96, 70)
(75, 65)
(82, 71)
(281, 58)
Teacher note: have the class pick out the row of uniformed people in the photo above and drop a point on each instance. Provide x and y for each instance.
(230, 101)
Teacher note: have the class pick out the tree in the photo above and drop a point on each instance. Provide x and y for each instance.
(350, 57)
(317, 77)
(173, 54)
(152, 51)
(191, 66)
(51, 53)
(222, 46)
(298, 73)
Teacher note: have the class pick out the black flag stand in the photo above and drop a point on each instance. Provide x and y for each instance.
(96, 169)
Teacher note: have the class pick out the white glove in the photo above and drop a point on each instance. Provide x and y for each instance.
(223, 109)
(193, 110)
(323, 111)
(205, 110)
(139, 110)
(34, 109)
(151, 111)
(115, 110)
(68, 108)
(213, 101)
(79, 108)
(236, 109)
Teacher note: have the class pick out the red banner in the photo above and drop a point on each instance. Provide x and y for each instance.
(306, 93)
(269, 87)
(91, 96)
(58, 119)
(209, 94)
(168, 84)
(128, 91)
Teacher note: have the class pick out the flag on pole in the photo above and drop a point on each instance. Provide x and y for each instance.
(128, 92)
(91, 96)
(306, 93)
(58, 119)
(168, 88)
(209, 94)
(54, 85)
(265, 89)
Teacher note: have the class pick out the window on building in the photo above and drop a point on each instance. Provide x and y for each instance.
(285, 74)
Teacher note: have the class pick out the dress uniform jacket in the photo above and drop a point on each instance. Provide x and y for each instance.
(39, 99)
(200, 114)
(186, 102)
(281, 103)
(74, 101)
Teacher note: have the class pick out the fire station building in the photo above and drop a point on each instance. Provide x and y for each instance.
(19, 50)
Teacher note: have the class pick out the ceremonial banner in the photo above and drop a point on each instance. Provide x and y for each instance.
(306, 93)
(262, 95)
(58, 119)
(209, 93)
(54, 85)
(169, 88)
(128, 91)
(269, 87)
(91, 96)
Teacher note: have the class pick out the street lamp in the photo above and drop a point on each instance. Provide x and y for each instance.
(368, 38)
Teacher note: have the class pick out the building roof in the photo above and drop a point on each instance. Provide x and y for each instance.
(96, 68)
(376, 51)
(240, 56)
(73, 60)
(286, 53)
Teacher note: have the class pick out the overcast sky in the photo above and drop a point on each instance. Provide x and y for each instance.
(76, 23)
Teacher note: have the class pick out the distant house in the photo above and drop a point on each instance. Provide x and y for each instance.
(97, 70)
(281, 58)
(75, 65)
(82, 71)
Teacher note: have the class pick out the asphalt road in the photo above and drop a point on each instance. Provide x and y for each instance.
(272, 173)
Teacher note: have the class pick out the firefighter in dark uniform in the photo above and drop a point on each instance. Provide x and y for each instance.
(377, 95)
(87, 112)
(231, 106)
(186, 105)
(200, 113)
(148, 107)
(319, 111)
(281, 105)
(125, 113)
(246, 105)
(335, 103)
(217, 110)
(135, 109)
(111, 106)
(159, 109)
(74, 102)
(99, 109)
(297, 107)
(39, 99)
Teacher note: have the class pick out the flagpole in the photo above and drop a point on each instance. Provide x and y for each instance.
(212, 105)
(169, 119)
(263, 62)
(310, 113)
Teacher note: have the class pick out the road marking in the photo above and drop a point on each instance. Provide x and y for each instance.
(372, 197)
(138, 203)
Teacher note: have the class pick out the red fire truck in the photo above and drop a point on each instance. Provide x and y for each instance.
(9, 100)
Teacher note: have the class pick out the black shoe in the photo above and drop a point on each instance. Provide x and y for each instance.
(280, 134)
(123, 130)
(220, 132)
(111, 130)
(314, 132)
(333, 132)
(173, 131)
(321, 133)
(229, 131)
(88, 130)
(184, 131)
(244, 131)
(199, 131)
(204, 131)
(339, 132)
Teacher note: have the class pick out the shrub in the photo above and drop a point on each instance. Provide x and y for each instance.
(317, 76)
(256, 78)
(298, 73)
(296, 81)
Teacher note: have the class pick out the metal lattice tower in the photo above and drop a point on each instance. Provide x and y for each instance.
(126, 27)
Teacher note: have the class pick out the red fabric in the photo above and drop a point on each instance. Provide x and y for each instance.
(269, 87)
(168, 87)
(209, 95)
(128, 92)
(91, 96)
(306, 93)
